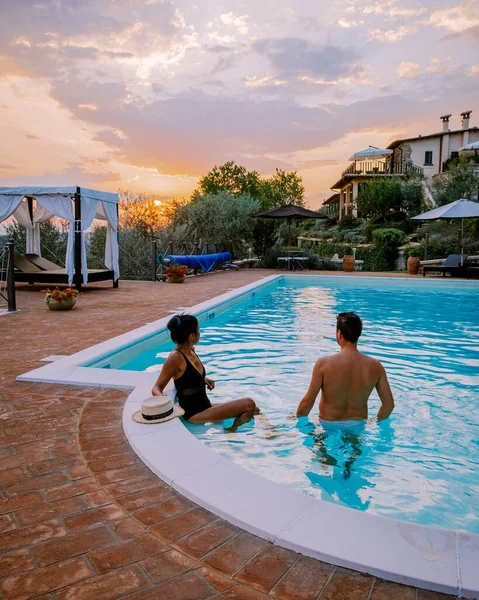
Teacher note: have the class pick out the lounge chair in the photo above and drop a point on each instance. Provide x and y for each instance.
(24, 265)
(454, 264)
(42, 263)
(32, 268)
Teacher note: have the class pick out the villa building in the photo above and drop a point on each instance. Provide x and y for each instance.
(426, 155)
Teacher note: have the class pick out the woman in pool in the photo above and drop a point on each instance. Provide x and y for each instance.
(189, 375)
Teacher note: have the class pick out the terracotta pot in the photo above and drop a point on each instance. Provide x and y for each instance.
(176, 278)
(413, 264)
(349, 263)
(53, 304)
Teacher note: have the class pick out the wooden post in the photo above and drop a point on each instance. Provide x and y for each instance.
(426, 241)
(12, 303)
(77, 278)
(115, 283)
(153, 262)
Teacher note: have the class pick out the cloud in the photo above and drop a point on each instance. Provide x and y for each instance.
(65, 177)
(392, 35)
(468, 35)
(474, 70)
(439, 66)
(7, 167)
(30, 136)
(457, 18)
(48, 38)
(348, 23)
(190, 131)
(386, 8)
(296, 57)
(408, 70)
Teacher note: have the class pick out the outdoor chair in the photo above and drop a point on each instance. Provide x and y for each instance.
(23, 265)
(454, 264)
(42, 263)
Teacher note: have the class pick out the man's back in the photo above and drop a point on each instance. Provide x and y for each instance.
(348, 378)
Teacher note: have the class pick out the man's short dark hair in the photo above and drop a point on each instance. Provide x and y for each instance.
(350, 325)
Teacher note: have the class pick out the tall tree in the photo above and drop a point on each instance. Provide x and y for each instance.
(279, 189)
(282, 188)
(222, 219)
(461, 180)
(231, 178)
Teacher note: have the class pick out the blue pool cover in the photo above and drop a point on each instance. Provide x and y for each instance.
(202, 261)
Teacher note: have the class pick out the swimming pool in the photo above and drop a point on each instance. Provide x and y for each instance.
(418, 466)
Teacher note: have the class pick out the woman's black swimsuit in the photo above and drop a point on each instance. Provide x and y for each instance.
(191, 390)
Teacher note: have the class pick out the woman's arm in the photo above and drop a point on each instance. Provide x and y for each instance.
(170, 368)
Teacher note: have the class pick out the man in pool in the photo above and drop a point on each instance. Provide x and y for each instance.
(346, 379)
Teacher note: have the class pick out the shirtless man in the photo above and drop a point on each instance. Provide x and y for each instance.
(347, 379)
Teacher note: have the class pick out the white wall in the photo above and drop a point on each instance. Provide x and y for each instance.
(420, 146)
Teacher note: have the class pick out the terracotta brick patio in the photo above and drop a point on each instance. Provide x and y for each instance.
(83, 519)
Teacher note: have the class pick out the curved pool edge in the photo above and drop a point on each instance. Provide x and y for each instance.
(427, 557)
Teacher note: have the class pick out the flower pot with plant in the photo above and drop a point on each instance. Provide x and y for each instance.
(176, 273)
(60, 299)
(413, 263)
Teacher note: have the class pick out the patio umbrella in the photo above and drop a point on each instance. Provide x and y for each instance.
(371, 153)
(290, 212)
(470, 149)
(459, 209)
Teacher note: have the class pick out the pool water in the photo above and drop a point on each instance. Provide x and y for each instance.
(420, 465)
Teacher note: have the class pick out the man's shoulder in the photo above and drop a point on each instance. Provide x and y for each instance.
(374, 362)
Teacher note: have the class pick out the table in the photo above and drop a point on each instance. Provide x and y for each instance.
(291, 263)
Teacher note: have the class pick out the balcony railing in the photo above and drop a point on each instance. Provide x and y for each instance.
(374, 167)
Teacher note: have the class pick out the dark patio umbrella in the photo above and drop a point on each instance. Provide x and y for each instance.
(290, 212)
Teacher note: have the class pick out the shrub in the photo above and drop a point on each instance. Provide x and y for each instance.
(387, 241)
(349, 222)
(374, 259)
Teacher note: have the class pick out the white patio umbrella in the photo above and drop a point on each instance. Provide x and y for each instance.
(469, 149)
(371, 153)
(459, 209)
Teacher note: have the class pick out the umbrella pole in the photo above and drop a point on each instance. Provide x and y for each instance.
(462, 242)
(289, 235)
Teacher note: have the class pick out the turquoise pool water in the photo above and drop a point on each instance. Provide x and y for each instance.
(421, 464)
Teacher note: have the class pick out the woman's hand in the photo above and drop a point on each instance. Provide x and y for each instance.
(210, 384)
(157, 392)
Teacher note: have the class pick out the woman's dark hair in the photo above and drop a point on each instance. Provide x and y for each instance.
(181, 326)
(350, 325)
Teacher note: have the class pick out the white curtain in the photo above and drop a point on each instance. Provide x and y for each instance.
(61, 206)
(111, 248)
(8, 205)
(22, 215)
(89, 207)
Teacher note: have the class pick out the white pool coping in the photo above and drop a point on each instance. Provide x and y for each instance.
(428, 557)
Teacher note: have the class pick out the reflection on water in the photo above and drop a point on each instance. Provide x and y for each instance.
(420, 465)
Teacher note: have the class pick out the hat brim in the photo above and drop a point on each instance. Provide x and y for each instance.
(177, 412)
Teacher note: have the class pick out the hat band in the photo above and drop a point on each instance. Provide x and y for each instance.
(159, 416)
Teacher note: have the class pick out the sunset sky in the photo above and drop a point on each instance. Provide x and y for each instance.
(150, 94)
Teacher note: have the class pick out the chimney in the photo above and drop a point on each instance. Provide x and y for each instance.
(466, 115)
(445, 122)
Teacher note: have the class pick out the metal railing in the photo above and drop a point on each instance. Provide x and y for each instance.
(7, 278)
(374, 167)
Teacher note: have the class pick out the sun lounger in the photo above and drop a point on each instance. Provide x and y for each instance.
(454, 264)
(42, 263)
(46, 272)
(24, 265)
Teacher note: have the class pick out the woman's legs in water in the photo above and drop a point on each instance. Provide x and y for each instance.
(242, 411)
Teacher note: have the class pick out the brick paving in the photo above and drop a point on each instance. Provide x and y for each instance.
(81, 517)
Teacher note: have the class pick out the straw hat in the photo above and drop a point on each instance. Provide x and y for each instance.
(157, 409)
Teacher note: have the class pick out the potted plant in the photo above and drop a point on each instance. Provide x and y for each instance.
(176, 273)
(60, 299)
(349, 260)
(413, 262)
